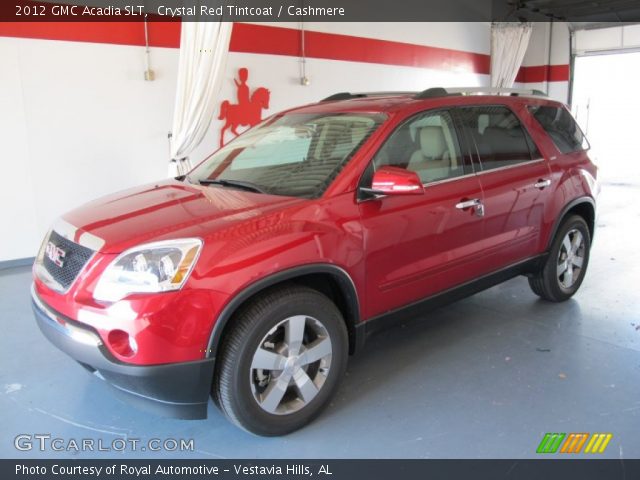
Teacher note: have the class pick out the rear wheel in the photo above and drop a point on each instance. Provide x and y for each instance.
(282, 361)
(561, 275)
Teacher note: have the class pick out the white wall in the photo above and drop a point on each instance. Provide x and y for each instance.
(282, 74)
(549, 50)
(17, 202)
(79, 121)
(538, 51)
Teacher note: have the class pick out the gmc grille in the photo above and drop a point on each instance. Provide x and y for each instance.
(75, 258)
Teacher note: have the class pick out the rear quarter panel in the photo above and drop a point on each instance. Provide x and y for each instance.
(573, 176)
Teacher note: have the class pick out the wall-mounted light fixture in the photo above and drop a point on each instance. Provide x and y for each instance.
(149, 75)
(304, 80)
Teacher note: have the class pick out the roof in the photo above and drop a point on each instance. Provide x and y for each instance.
(389, 102)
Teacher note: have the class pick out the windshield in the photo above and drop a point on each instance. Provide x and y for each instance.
(295, 154)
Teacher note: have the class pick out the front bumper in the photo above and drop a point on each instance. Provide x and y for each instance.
(179, 390)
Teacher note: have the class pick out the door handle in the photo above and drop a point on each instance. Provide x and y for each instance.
(541, 184)
(475, 203)
(468, 204)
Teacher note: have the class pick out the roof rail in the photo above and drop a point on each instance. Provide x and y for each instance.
(350, 96)
(437, 92)
(514, 92)
(444, 92)
(342, 96)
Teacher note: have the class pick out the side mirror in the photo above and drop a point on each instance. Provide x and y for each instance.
(395, 181)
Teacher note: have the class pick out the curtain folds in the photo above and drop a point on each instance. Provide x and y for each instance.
(509, 43)
(204, 47)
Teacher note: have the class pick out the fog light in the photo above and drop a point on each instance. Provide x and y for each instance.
(122, 343)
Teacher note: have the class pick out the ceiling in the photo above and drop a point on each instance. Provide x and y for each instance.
(580, 14)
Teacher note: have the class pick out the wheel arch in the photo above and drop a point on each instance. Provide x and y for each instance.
(583, 206)
(331, 280)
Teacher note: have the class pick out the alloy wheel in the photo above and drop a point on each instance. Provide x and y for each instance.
(291, 365)
(570, 259)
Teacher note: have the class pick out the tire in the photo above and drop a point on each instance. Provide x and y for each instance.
(285, 329)
(563, 272)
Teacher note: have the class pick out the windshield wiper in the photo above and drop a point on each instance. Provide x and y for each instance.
(251, 187)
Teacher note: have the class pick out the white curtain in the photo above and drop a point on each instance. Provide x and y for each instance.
(509, 43)
(204, 47)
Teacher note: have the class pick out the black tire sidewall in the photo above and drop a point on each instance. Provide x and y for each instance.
(245, 407)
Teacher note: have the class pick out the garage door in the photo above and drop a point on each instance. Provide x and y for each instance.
(607, 40)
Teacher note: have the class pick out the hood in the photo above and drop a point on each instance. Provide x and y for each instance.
(165, 210)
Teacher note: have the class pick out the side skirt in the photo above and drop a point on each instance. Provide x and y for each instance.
(387, 320)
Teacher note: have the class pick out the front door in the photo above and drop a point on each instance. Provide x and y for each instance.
(419, 245)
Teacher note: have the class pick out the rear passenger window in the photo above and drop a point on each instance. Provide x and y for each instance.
(499, 137)
(561, 127)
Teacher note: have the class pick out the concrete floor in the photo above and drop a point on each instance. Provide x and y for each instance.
(483, 378)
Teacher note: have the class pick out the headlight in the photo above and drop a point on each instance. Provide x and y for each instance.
(149, 268)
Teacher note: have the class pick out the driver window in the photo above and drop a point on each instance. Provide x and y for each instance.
(427, 145)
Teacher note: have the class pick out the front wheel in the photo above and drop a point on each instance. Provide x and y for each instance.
(281, 361)
(561, 275)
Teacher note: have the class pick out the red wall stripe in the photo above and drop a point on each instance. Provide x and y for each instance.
(543, 73)
(161, 34)
(264, 39)
(252, 38)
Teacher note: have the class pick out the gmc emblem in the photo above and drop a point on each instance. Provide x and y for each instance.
(55, 254)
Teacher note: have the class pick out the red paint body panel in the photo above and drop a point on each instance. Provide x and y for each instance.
(243, 232)
(514, 207)
(396, 250)
(514, 211)
(417, 246)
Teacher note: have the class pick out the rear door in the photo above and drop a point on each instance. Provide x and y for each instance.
(515, 180)
(419, 245)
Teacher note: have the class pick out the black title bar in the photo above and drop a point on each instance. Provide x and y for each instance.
(316, 10)
(547, 469)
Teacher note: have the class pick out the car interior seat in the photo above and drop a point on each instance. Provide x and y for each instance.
(432, 159)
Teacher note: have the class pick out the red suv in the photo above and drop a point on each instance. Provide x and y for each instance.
(252, 278)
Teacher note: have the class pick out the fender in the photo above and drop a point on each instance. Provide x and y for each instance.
(344, 281)
(563, 213)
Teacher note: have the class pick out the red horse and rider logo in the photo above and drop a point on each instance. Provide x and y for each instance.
(248, 110)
